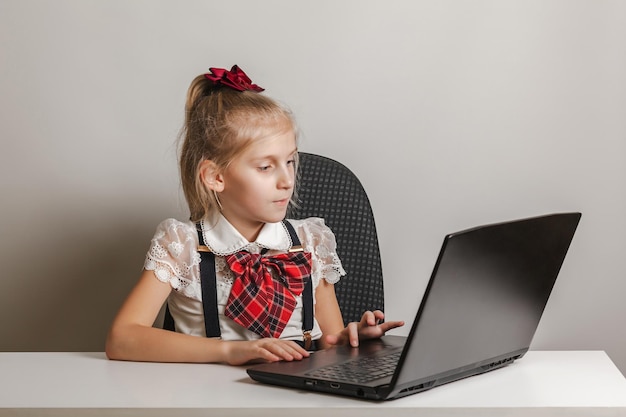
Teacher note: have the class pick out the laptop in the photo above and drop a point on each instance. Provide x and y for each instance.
(479, 312)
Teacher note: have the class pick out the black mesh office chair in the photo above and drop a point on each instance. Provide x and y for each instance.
(329, 190)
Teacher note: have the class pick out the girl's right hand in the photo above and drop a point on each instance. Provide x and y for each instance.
(263, 350)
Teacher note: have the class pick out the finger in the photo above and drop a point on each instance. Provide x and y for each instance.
(288, 350)
(379, 316)
(298, 350)
(265, 355)
(368, 319)
(376, 317)
(390, 325)
(333, 339)
(353, 334)
(268, 348)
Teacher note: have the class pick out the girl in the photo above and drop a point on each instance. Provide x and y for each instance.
(238, 168)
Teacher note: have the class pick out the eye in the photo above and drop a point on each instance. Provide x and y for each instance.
(264, 168)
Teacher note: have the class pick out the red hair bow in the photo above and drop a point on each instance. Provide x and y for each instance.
(235, 79)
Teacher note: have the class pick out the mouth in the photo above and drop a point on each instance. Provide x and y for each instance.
(282, 202)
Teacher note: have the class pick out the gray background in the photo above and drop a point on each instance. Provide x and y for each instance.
(453, 114)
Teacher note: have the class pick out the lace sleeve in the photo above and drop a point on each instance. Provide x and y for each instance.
(319, 240)
(172, 255)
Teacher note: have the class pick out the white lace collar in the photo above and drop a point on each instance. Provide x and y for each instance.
(223, 239)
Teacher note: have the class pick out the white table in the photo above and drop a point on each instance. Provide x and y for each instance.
(563, 383)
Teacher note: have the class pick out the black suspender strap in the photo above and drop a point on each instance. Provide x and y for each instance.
(209, 289)
(208, 285)
(307, 293)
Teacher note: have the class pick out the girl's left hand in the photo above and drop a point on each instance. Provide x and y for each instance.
(369, 327)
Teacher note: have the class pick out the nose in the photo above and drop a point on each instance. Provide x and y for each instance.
(286, 178)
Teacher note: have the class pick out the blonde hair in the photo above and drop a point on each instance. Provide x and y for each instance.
(219, 124)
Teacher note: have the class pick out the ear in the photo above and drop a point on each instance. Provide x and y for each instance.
(211, 176)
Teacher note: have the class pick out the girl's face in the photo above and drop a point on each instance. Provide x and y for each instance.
(258, 184)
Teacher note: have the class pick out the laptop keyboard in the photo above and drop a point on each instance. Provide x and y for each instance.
(360, 370)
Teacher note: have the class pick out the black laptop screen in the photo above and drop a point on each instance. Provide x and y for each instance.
(487, 294)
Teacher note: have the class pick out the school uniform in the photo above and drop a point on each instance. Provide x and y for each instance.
(175, 259)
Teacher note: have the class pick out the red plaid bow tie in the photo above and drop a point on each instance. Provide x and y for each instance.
(260, 302)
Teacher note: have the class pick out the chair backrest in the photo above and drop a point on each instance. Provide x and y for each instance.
(329, 190)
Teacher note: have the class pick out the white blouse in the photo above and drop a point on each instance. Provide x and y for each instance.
(174, 258)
